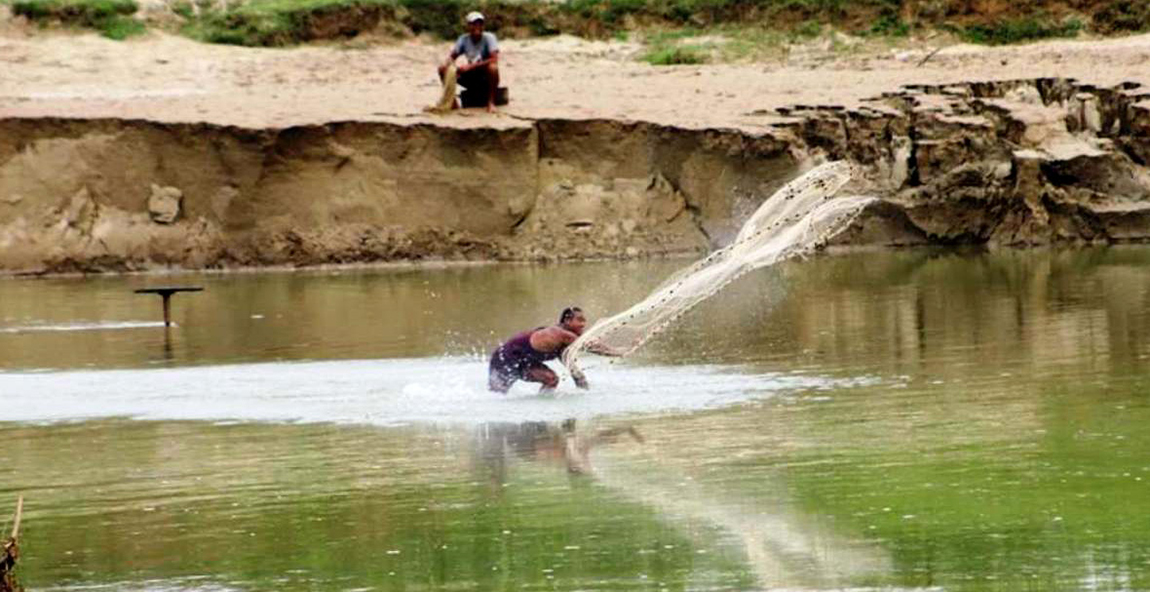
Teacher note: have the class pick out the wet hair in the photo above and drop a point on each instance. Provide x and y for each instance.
(568, 314)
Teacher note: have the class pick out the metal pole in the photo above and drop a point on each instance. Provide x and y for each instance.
(167, 308)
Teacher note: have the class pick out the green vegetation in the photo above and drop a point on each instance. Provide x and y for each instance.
(82, 12)
(286, 22)
(691, 45)
(110, 17)
(79, 12)
(183, 9)
(676, 55)
(121, 27)
(667, 48)
(1123, 16)
(889, 25)
(1018, 31)
(808, 29)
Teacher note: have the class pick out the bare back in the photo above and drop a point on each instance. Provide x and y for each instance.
(552, 339)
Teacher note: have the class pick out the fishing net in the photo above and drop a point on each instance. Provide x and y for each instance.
(798, 219)
(447, 96)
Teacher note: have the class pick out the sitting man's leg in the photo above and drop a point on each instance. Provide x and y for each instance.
(492, 85)
(477, 83)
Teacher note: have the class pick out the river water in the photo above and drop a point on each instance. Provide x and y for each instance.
(890, 420)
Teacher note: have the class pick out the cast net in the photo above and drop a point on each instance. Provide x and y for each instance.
(797, 220)
(447, 96)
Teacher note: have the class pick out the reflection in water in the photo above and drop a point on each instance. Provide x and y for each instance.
(168, 355)
(385, 313)
(783, 547)
(540, 441)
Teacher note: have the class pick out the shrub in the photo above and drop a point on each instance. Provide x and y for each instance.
(87, 13)
(121, 27)
(1123, 16)
(889, 25)
(677, 55)
(1019, 30)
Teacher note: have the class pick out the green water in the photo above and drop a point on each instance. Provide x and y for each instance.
(979, 425)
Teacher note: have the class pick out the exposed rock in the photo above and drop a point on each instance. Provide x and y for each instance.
(164, 204)
(1011, 162)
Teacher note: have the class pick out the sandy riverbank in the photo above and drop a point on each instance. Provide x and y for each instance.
(172, 79)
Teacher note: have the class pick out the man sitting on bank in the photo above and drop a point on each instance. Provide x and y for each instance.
(481, 72)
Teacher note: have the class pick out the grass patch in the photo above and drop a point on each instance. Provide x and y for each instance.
(183, 9)
(807, 30)
(121, 27)
(112, 18)
(666, 48)
(86, 13)
(889, 25)
(287, 22)
(677, 55)
(1018, 31)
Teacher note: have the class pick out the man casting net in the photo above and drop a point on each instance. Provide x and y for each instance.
(797, 220)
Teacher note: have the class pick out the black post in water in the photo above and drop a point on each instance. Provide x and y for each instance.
(166, 295)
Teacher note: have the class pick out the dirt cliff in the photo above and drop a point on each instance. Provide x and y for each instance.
(1014, 162)
(82, 194)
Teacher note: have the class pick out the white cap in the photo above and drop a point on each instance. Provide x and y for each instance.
(474, 16)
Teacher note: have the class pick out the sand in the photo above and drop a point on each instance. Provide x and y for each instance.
(168, 78)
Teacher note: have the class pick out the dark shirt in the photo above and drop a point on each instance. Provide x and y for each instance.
(517, 353)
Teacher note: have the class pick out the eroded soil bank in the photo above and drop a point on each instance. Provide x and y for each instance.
(1007, 162)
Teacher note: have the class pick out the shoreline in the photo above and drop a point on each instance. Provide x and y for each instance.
(388, 266)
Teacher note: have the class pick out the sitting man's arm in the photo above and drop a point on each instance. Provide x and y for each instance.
(491, 48)
(492, 59)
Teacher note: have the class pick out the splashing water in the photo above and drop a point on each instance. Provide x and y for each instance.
(445, 390)
(797, 220)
